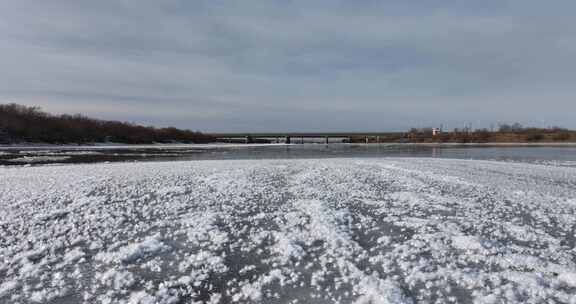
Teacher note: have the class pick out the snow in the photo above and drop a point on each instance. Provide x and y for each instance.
(134, 251)
(7, 286)
(467, 243)
(117, 279)
(568, 278)
(289, 231)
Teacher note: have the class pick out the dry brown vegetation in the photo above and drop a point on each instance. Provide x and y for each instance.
(20, 123)
(514, 133)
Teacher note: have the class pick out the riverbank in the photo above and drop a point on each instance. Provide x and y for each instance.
(113, 146)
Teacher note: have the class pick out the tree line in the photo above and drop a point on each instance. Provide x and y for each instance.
(505, 133)
(19, 123)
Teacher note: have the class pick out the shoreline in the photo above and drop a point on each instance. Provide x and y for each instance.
(496, 144)
(129, 146)
(227, 145)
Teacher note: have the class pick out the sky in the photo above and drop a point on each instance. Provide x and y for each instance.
(294, 65)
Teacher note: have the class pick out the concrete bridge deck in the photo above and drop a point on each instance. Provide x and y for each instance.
(297, 137)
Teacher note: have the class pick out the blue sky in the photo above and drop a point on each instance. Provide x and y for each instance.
(293, 65)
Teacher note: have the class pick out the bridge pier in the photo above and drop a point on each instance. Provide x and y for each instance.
(287, 140)
(326, 138)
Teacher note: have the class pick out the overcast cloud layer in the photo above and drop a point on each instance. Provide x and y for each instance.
(282, 65)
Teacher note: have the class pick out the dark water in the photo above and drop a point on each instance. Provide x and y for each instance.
(562, 155)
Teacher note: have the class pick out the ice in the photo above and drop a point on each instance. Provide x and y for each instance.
(38, 159)
(289, 231)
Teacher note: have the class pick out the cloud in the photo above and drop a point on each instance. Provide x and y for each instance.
(292, 65)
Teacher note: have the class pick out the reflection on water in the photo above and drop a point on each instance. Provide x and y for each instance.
(560, 155)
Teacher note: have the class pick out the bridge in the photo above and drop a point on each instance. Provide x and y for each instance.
(290, 138)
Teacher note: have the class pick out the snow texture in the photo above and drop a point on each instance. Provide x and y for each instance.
(289, 231)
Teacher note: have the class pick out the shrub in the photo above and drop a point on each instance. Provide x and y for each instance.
(21, 123)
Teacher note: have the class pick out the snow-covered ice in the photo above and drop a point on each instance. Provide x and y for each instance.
(37, 159)
(289, 231)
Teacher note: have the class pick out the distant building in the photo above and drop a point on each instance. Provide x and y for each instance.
(436, 131)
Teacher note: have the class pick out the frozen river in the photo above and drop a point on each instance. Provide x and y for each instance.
(340, 230)
(562, 154)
